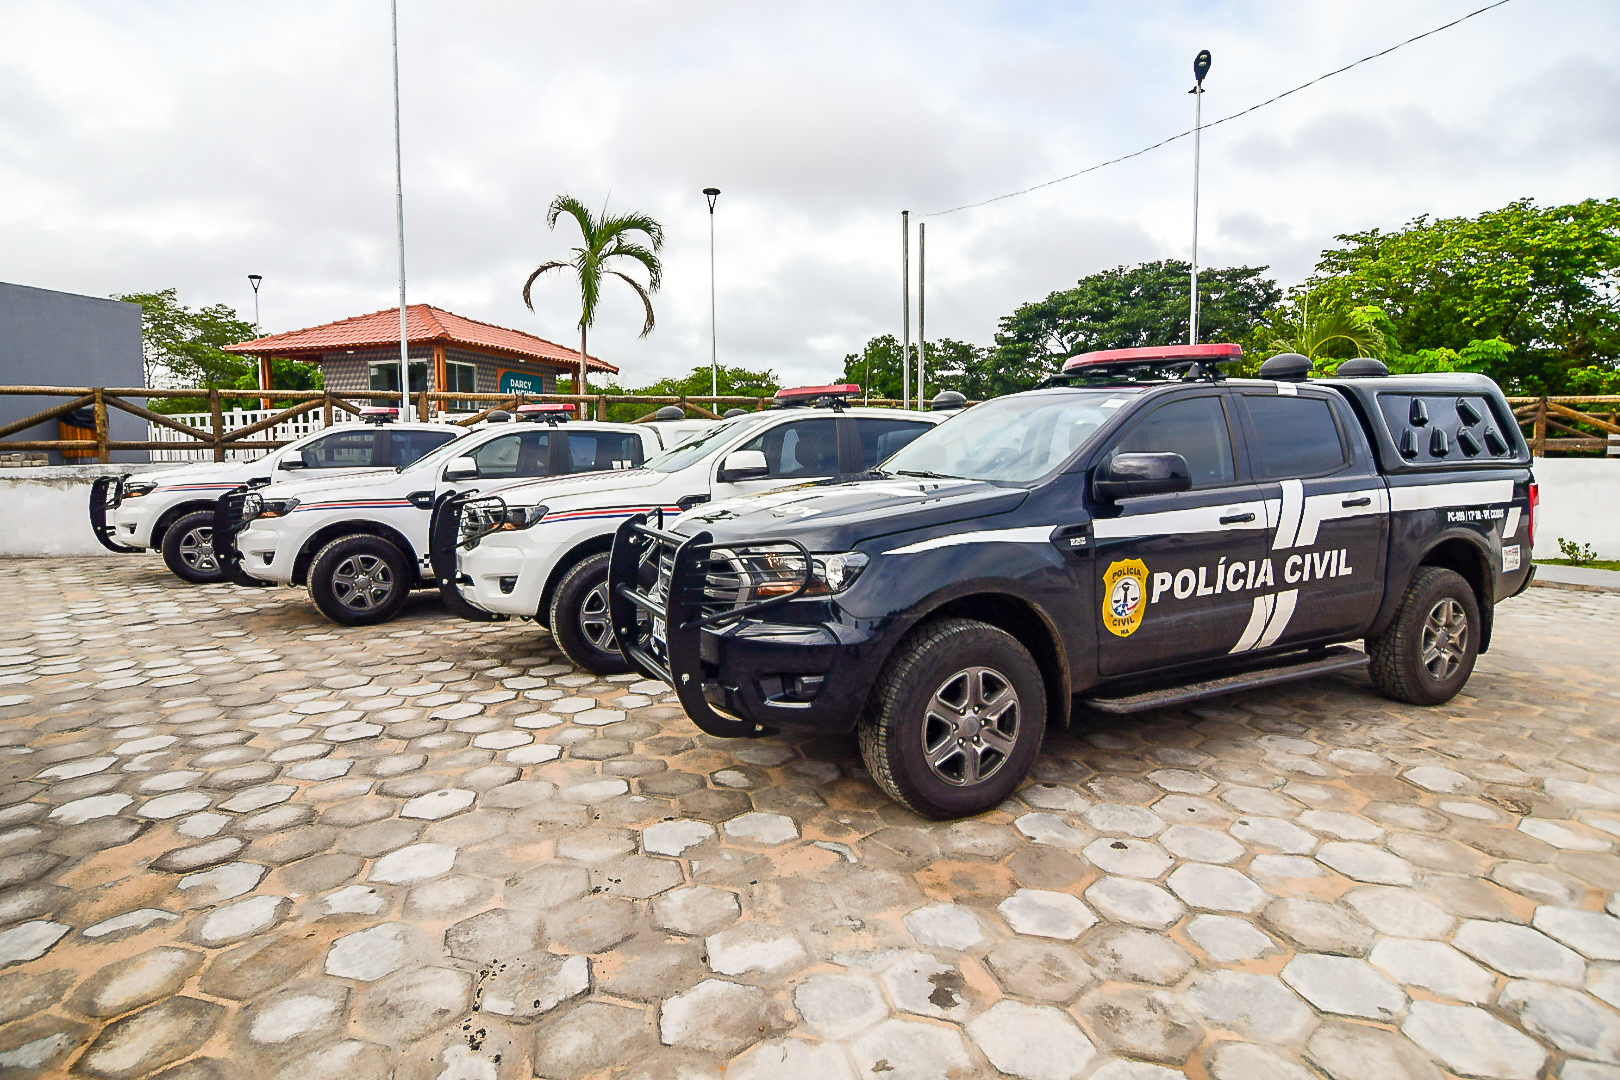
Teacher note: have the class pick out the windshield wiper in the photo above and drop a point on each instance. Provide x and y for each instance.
(925, 474)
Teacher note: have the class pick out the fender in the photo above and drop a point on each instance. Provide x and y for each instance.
(1399, 573)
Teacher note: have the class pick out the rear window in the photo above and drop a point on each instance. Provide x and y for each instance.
(882, 439)
(1444, 427)
(342, 450)
(1294, 437)
(407, 446)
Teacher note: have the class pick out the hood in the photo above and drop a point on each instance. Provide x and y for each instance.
(345, 481)
(205, 472)
(837, 517)
(547, 489)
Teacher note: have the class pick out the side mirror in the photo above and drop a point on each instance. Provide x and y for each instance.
(292, 463)
(1126, 475)
(743, 465)
(461, 468)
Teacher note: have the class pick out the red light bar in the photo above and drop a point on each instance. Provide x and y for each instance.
(836, 390)
(1171, 353)
(378, 410)
(546, 407)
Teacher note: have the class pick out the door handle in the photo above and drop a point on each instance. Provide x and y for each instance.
(1233, 519)
(1365, 500)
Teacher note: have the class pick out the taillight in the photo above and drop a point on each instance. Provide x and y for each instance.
(1530, 522)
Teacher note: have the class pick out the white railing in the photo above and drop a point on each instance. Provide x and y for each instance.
(286, 431)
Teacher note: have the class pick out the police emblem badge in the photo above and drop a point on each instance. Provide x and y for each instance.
(1124, 599)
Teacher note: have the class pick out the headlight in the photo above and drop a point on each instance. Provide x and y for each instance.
(252, 505)
(273, 508)
(136, 488)
(750, 576)
(480, 517)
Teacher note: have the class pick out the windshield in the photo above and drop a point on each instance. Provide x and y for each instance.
(695, 448)
(1014, 439)
(435, 458)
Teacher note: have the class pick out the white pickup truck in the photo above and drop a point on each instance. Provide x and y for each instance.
(361, 542)
(539, 549)
(173, 510)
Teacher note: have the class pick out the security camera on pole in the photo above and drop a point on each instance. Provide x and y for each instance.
(1201, 64)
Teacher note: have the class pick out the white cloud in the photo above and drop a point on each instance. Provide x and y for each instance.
(190, 143)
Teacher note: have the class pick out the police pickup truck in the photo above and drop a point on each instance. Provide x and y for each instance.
(540, 549)
(1140, 535)
(173, 510)
(360, 543)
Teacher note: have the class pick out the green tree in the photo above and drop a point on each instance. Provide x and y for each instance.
(1128, 307)
(1545, 281)
(606, 241)
(183, 347)
(1321, 332)
(950, 365)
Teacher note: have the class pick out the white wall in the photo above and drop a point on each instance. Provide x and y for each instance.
(1580, 501)
(46, 511)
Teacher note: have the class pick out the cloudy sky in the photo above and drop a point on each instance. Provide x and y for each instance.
(188, 144)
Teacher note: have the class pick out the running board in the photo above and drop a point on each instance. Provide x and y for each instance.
(1338, 658)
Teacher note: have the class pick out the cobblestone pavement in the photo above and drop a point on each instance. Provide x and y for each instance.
(237, 841)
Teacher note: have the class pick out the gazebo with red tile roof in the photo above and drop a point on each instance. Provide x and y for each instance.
(448, 352)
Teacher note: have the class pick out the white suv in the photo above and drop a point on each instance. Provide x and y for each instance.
(540, 549)
(173, 510)
(361, 543)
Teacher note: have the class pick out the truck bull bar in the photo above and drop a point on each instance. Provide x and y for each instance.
(677, 599)
(230, 518)
(444, 532)
(107, 493)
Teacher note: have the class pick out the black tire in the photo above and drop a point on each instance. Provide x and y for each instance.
(359, 580)
(940, 663)
(188, 549)
(1427, 653)
(579, 619)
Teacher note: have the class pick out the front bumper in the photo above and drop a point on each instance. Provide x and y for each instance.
(266, 553)
(738, 673)
(106, 502)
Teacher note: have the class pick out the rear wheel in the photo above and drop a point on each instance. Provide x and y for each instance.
(580, 622)
(1427, 653)
(188, 549)
(359, 580)
(955, 720)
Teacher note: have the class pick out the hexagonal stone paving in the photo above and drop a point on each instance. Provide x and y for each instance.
(432, 849)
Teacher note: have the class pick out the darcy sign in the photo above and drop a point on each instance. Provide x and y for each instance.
(522, 382)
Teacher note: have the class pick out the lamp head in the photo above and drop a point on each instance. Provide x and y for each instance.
(254, 279)
(1201, 64)
(711, 193)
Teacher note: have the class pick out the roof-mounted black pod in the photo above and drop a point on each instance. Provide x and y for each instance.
(1362, 367)
(1286, 367)
(670, 412)
(499, 416)
(947, 400)
(734, 411)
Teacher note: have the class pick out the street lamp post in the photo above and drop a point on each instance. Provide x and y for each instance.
(253, 280)
(1201, 64)
(399, 217)
(712, 193)
(905, 302)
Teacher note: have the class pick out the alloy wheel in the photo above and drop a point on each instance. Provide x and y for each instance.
(1445, 638)
(362, 582)
(970, 726)
(197, 550)
(595, 621)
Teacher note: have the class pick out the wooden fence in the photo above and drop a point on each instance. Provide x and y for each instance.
(1551, 423)
(332, 404)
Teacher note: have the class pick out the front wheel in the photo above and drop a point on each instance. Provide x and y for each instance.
(581, 624)
(1427, 652)
(955, 720)
(359, 580)
(188, 549)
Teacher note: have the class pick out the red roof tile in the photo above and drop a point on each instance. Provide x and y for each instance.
(425, 324)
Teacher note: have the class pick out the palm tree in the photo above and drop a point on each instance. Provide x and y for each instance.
(1326, 335)
(606, 240)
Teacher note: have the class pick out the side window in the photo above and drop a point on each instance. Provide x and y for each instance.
(803, 448)
(881, 439)
(1294, 437)
(518, 454)
(1196, 429)
(600, 451)
(342, 450)
(407, 446)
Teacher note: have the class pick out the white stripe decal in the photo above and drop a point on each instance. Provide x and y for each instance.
(1279, 618)
(1293, 507)
(1203, 519)
(1035, 534)
(1510, 528)
(1465, 493)
(1257, 622)
(1320, 508)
